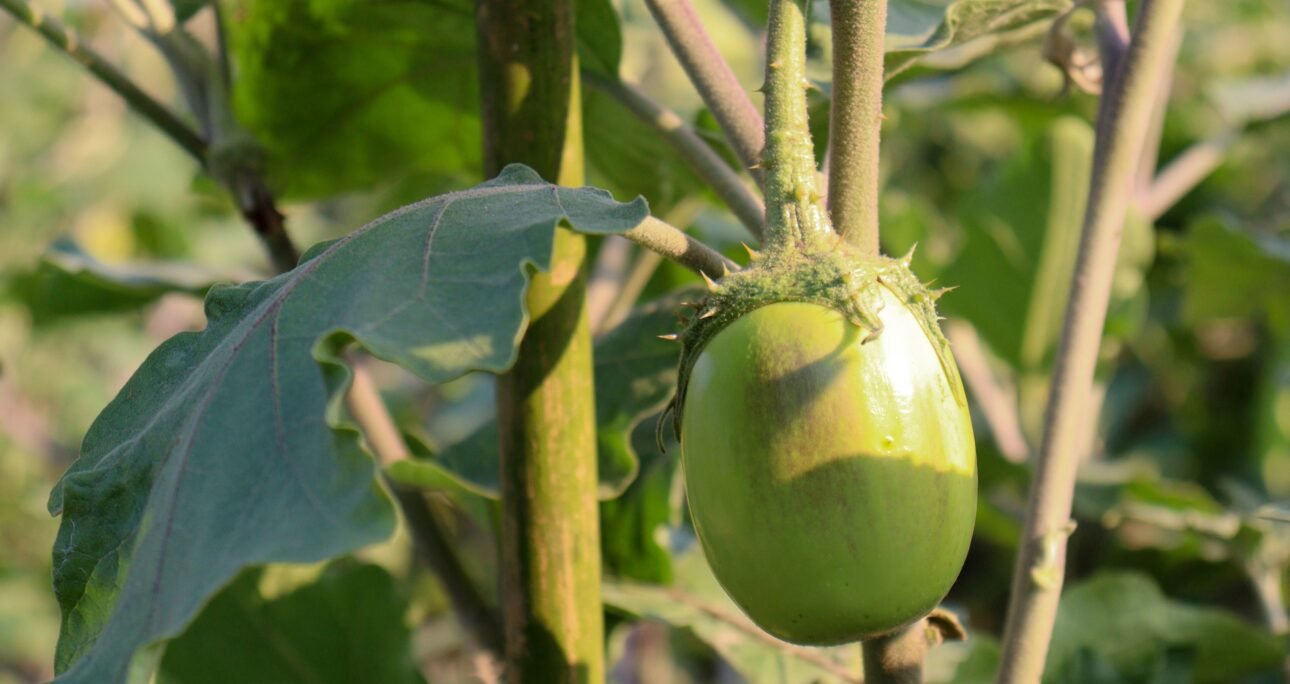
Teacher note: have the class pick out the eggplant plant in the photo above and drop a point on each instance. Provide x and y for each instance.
(809, 393)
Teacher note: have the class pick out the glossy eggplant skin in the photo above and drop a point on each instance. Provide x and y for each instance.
(832, 482)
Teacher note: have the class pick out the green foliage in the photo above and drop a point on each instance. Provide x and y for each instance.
(182, 494)
(918, 27)
(241, 412)
(635, 375)
(345, 626)
(69, 282)
(1215, 290)
(344, 95)
(695, 603)
(1130, 626)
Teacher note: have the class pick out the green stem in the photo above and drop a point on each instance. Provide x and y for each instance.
(795, 218)
(855, 122)
(1041, 556)
(897, 657)
(671, 242)
(66, 40)
(702, 159)
(550, 545)
(712, 78)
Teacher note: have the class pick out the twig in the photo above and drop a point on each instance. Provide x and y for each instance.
(856, 119)
(1151, 145)
(1037, 577)
(613, 263)
(671, 242)
(1184, 173)
(705, 162)
(435, 549)
(66, 40)
(998, 403)
(712, 77)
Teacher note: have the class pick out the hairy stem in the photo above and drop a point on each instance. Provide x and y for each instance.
(795, 217)
(66, 40)
(433, 544)
(855, 122)
(1038, 575)
(550, 545)
(643, 269)
(712, 77)
(670, 242)
(705, 162)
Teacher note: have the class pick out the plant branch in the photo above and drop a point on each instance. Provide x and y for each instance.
(705, 162)
(712, 77)
(1184, 173)
(608, 274)
(671, 242)
(795, 216)
(1151, 145)
(1112, 30)
(1124, 119)
(855, 123)
(997, 402)
(643, 269)
(66, 40)
(432, 543)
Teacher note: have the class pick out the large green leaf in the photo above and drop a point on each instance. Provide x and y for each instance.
(1129, 624)
(696, 603)
(348, 94)
(635, 376)
(225, 450)
(345, 627)
(1236, 273)
(69, 282)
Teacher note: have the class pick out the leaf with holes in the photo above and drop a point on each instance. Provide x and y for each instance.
(227, 450)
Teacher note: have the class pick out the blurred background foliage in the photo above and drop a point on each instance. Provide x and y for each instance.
(109, 234)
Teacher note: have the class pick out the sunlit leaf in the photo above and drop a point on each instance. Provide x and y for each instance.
(226, 449)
